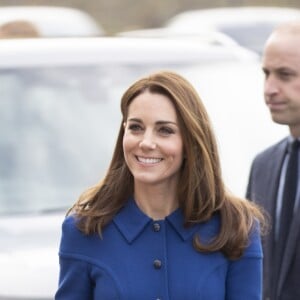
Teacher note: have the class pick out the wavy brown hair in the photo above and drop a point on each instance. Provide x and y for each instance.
(201, 191)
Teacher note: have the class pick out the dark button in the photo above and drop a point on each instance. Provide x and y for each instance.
(156, 227)
(157, 264)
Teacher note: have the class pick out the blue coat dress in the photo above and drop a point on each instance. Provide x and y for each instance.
(142, 259)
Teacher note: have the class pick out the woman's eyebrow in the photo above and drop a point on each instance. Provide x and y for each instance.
(159, 122)
(165, 122)
(135, 120)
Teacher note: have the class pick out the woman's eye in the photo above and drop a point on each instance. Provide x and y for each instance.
(134, 127)
(166, 130)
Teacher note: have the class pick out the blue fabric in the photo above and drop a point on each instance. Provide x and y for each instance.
(121, 265)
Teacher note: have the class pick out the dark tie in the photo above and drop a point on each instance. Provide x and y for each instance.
(289, 196)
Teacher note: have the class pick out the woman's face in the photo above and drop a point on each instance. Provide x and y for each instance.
(152, 142)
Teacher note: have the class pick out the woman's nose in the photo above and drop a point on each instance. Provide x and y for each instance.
(147, 142)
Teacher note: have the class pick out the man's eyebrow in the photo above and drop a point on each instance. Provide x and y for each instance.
(277, 70)
(285, 69)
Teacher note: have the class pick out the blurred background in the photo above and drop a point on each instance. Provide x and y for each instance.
(64, 65)
(121, 15)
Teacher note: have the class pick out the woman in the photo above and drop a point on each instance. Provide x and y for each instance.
(161, 224)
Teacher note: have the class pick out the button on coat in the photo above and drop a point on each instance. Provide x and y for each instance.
(156, 227)
(157, 264)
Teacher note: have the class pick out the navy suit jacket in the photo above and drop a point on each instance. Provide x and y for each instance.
(142, 259)
(263, 188)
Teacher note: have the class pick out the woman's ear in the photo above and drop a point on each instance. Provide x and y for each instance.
(124, 125)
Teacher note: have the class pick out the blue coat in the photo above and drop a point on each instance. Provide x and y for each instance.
(142, 259)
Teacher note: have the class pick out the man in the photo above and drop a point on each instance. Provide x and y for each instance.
(268, 185)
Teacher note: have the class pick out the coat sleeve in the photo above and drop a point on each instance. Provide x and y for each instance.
(75, 282)
(244, 280)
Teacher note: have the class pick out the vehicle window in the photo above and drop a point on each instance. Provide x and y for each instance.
(251, 36)
(48, 119)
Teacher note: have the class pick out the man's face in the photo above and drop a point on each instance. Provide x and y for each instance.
(281, 65)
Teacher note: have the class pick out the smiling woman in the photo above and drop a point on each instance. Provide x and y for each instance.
(163, 206)
(153, 151)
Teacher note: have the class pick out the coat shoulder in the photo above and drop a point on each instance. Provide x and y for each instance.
(269, 152)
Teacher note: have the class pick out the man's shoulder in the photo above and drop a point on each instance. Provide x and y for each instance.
(270, 151)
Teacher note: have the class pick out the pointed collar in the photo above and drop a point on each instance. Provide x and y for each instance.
(131, 222)
(207, 230)
(176, 219)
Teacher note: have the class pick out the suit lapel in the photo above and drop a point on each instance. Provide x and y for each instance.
(267, 188)
(272, 183)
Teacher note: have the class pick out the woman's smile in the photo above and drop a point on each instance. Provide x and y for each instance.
(148, 160)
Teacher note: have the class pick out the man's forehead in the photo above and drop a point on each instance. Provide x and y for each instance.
(281, 56)
(282, 46)
(289, 28)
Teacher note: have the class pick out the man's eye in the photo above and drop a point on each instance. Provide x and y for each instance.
(285, 75)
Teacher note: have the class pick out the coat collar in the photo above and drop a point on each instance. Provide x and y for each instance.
(176, 219)
(131, 222)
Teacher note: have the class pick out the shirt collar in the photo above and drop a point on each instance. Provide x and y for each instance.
(290, 141)
(131, 222)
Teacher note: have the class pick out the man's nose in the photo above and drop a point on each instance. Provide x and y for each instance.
(271, 86)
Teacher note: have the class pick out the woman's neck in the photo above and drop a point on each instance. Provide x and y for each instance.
(156, 202)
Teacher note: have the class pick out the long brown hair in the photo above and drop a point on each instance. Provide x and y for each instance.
(201, 190)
